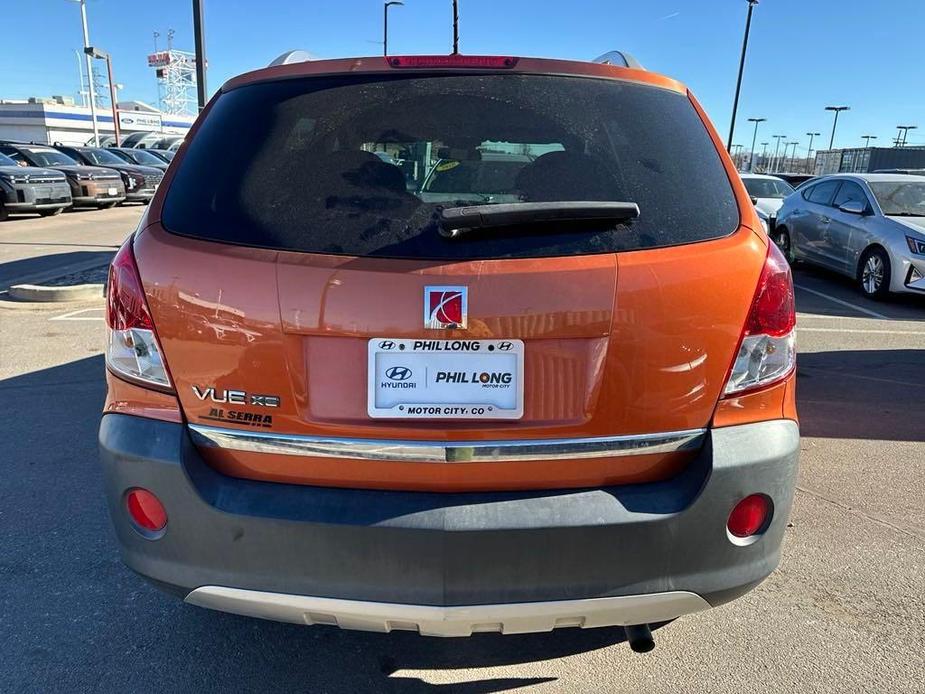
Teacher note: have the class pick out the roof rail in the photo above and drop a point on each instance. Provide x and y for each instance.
(289, 57)
(620, 59)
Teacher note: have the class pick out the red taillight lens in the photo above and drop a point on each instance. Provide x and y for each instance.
(126, 306)
(773, 310)
(493, 62)
(146, 510)
(750, 516)
(767, 349)
(132, 351)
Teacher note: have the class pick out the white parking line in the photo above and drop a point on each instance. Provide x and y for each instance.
(824, 316)
(859, 332)
(847, 304)
(75, 315)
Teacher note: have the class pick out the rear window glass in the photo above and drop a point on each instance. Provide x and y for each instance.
(362, 165)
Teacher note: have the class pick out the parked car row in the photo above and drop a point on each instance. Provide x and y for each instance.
(142, 140)
(870, 227)
(46, 179)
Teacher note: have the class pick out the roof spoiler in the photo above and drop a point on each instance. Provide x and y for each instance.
(289, 57)
(619, 59)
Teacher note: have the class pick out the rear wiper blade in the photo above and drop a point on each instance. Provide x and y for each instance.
(455, 221)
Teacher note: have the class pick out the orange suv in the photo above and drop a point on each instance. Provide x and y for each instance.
(452, 344)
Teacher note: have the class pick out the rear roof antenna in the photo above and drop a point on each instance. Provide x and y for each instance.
(620, 59)
(290, 57)
(455, 27)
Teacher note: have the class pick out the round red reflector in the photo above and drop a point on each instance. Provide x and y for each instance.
(749, 516)
(146, 510)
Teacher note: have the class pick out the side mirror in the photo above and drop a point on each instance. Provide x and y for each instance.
(853, 207)
(754, 200)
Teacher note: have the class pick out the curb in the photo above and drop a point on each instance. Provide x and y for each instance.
(8, 304)
(36, 278)
(33, 293)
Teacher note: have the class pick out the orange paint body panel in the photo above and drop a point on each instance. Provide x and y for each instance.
(622, 343)
(616, 344)
(775, 402)
(379, 65)
(123, 397)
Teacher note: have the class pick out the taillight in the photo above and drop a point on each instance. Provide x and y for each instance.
(493, 62)
(767, 350)
(132, 350)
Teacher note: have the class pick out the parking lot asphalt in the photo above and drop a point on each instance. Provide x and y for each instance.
(844, 613)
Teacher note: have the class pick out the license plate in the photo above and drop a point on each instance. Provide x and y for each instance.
(445, 379)
(112, 191)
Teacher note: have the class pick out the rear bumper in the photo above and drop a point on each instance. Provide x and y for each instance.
(445, 563)
(428, 620)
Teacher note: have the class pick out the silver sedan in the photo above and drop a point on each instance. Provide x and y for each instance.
(868, 226)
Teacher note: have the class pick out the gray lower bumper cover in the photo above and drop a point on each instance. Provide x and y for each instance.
(448, 550)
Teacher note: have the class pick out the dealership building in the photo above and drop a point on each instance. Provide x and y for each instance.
(58, 119)
(868, 159)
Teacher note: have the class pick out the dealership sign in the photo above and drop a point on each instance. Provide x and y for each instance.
(139, 120)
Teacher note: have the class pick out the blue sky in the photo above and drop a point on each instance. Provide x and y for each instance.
(803, 54)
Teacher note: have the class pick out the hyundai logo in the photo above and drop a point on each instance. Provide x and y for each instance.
(387, 344)
(398, 373)
(506, 346)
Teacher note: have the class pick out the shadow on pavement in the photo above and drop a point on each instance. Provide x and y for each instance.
(75, 619)
(42, 267)
(862, 394)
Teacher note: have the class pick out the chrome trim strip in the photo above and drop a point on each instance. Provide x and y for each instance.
(445, 451)
(464, 620)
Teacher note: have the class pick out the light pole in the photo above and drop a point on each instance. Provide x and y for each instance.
(103, 55)
(764, 154)
(736, 150)
(90, 91)
(774, 160)
(735, 102)
(385, 24)
(867, 139)
(782, 164)
(80, 76)
(837, 110)
(199, 37)
(793, 156)
(756, 121)
(904, 129)
(809, 152)
(455, 27)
